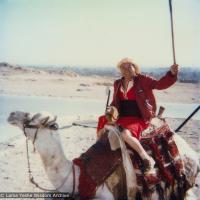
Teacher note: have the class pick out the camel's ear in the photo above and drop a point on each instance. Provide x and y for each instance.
(44, 120)
(53, 120)
(35, 116)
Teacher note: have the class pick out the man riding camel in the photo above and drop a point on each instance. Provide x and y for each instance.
(134, 100)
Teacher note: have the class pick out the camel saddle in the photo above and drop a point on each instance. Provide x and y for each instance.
(99, 162)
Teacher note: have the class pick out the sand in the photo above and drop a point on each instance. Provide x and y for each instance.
(32, 82)
(75, 140)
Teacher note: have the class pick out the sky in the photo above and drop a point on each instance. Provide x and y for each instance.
(98, 32)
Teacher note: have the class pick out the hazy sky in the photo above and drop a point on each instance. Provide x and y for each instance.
(98, 32)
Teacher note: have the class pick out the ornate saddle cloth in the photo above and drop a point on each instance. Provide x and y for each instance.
(96, 164)
(169, 166)
(99, 161)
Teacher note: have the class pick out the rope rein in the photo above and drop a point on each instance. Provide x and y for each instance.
(31, 179)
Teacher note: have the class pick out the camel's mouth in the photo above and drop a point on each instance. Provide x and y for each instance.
(11, 121)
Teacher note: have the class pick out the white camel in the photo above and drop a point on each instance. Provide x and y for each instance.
(60, 171)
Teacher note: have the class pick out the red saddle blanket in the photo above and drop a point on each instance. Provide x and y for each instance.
(99, 161)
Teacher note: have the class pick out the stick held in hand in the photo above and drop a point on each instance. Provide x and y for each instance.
(108, 98)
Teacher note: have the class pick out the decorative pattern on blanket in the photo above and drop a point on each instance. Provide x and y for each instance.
(99, 161)
(169, 166)
(96, 164)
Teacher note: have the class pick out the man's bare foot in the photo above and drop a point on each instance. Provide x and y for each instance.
(149, 166)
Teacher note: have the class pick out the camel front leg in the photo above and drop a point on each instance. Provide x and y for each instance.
(103, 193)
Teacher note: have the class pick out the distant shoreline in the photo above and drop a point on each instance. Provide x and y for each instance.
(186, 75)
(20, 81)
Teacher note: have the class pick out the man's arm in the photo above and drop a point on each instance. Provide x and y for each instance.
(165, 82)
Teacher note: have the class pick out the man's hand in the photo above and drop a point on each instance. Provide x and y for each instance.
(112, 114)
(174, 69)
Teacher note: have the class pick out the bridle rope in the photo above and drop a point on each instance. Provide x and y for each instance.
(31, 179)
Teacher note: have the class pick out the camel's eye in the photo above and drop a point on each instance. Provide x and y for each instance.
(54, 126)
(12, 113)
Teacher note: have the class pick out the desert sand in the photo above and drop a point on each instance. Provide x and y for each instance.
(75, 140)
(33, 82)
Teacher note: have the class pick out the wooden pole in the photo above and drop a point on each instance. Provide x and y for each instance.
(172, 30)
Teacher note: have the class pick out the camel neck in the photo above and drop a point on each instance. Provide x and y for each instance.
(55, 163)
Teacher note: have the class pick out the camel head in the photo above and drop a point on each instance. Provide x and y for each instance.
(18, 118)
(30, 123)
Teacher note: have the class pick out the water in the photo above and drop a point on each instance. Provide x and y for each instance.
(67, 107)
